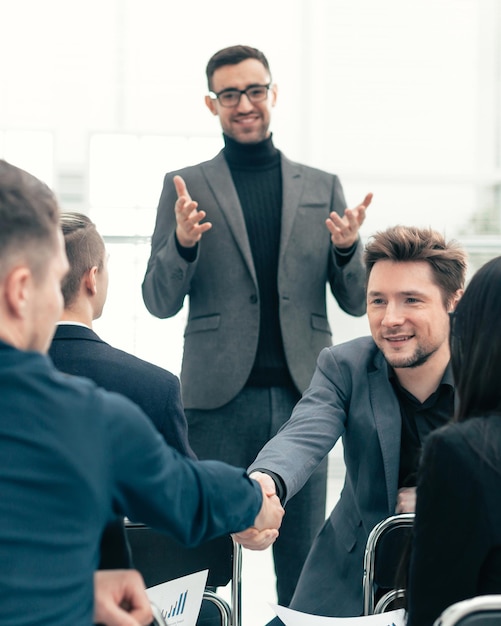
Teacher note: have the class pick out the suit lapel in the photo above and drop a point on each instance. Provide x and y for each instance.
(220, 182)
(292, 184)
(386, 412)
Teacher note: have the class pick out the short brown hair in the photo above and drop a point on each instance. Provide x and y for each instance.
(84, 248)
(409, 243)
(232, 56)
(29, 220)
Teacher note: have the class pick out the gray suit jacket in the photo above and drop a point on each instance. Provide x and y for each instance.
(350, 396)
(221, 336)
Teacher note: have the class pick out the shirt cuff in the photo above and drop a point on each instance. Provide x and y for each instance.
(279, 483)
(343, 255)
(188, 254)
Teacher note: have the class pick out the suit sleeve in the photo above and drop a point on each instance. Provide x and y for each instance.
(193, 501)
(347, 280)
(175, 427)
(451, 531)
(316, 423)
(168, 275)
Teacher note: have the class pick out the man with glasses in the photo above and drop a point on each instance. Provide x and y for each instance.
(256, 274)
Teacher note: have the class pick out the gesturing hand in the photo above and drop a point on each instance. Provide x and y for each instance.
(189, 230)
(344, 230)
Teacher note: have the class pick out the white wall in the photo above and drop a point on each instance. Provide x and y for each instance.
(397, 97)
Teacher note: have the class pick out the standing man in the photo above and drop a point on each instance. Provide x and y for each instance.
(383, 395)
(256, 276)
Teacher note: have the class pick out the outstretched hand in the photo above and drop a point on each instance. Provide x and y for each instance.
(344, 230)
(268, 521)
(189, 230)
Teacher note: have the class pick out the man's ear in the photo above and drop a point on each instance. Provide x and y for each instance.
(89, 280)
(18, 285)
(274, 94)
(210, 103)
(455, 299)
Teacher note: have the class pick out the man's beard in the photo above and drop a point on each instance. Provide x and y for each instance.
(420, 356)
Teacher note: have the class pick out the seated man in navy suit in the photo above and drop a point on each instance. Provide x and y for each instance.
(73, 456)
(78, 350)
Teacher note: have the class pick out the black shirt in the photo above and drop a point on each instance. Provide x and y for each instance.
(418, 420)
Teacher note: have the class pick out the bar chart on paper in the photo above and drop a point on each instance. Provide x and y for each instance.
(179, 600)
(178, 607)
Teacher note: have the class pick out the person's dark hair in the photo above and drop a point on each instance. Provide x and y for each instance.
(84, 248)
(29, 220)
(231, 56)
(475, 341)
(409, 243)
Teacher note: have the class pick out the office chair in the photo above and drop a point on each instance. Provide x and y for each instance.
(478, 611)
(160, 558)
(386, 544)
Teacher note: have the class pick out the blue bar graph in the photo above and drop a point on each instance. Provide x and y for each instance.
(178, 608)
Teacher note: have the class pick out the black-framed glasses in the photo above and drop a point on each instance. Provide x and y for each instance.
(231, 97)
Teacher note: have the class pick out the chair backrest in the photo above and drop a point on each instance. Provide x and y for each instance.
(160, 558)
(478, 611)
(386, 545)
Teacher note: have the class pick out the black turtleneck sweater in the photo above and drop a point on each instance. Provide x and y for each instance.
(257, 176)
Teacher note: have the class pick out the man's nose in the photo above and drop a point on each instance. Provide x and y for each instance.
(393, 315)
(244, 104)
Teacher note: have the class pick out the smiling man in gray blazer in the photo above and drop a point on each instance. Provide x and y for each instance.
(383, 395)
(255, 272)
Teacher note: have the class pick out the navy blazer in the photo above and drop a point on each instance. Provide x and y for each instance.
(79, 351)
(73, 456)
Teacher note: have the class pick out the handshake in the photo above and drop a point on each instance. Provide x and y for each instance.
(268, 521)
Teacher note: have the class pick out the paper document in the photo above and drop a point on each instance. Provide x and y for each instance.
(180, 599)
(296, 618)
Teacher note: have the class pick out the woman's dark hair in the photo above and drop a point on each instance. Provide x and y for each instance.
(475, 341)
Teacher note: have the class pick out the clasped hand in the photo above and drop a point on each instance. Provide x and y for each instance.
(406, 500)
(266, 525)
